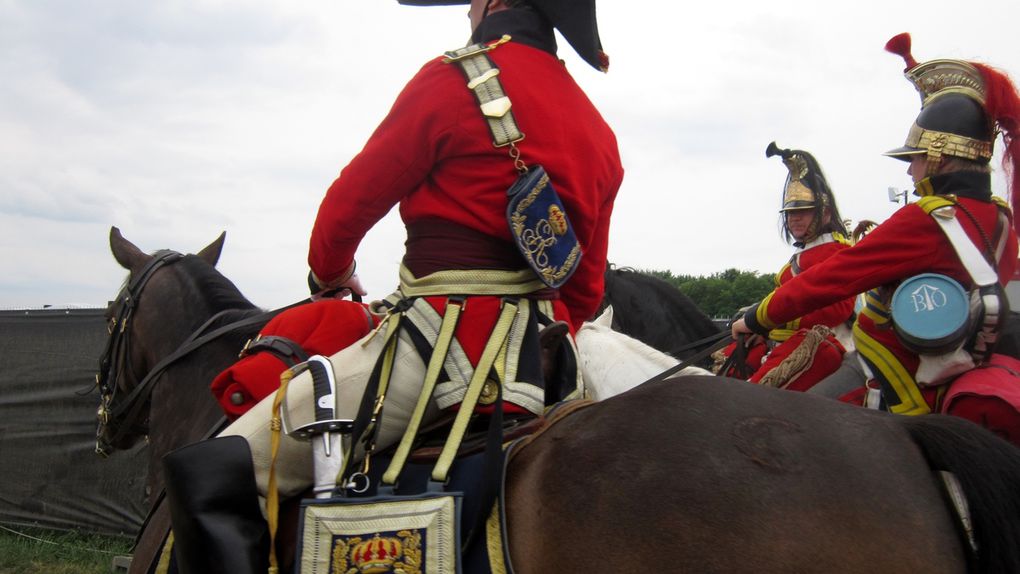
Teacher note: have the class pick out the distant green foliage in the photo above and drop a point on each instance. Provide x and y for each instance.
(721, 294)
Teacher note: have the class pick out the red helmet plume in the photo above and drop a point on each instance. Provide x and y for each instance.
(1002, 105)
(900, 45)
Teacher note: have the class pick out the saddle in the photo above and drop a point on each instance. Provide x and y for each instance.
(990, 396)
(434, 437)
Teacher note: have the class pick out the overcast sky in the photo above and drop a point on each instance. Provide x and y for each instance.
(176, 120)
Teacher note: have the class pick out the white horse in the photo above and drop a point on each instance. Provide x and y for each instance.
(612, 362)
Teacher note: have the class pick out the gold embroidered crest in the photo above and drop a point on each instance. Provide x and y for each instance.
(557, 220)
(397, 554)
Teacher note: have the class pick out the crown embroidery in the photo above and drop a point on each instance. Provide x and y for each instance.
(400, 553)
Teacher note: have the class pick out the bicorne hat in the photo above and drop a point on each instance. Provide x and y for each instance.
(575, 19)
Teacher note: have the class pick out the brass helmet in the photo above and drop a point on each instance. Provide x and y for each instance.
(806, 188)
(575, 19)
(964, 105)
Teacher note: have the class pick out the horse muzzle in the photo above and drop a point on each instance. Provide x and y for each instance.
(111, 434)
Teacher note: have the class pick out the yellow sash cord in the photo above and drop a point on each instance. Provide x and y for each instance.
(474, 390)
(272, 494)
(439, 352)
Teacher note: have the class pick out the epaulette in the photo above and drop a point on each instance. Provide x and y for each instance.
(840, 238)
(930, 203)
(1002, 204)
(483, 80)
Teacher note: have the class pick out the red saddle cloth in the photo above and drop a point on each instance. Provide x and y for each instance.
(320, 328)
(989, 396)
(827, 358)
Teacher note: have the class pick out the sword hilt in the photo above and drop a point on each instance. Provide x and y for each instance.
(324, 388)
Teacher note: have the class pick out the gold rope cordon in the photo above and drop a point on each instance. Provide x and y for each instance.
(272, 494)
(718, 360)
(798, 361)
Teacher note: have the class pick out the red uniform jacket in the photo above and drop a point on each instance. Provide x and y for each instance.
(908, 243)
(839, 312)
(812, 254)
(433, 155)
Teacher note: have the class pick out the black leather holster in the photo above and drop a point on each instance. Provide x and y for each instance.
(214, 508)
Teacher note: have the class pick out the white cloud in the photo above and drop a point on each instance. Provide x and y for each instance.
(177, 120)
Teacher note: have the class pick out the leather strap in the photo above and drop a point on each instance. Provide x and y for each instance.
(483, 80)
(983, 275)
(693, 360)
(973, 261)
(474, 390)
(435, 366)
(287, 350)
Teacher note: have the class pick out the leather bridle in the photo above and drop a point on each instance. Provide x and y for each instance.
(123, 416)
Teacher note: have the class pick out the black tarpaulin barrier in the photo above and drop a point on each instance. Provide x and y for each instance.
(50, 475)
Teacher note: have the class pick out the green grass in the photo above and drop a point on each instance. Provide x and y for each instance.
(25, 550)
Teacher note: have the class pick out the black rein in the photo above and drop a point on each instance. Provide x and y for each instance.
(115, 357)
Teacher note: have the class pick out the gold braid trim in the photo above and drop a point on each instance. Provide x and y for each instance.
(494, 540)
(781, 335)
(798, 361)
(163, 566)
(938, 144)
(469, 282)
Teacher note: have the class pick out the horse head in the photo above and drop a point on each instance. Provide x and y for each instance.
(654, 311)
(132, 350)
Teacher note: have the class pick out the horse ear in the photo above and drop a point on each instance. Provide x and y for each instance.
(552, 335)
(211, 253)
(605, 319)
(549, 340)
(126, 253)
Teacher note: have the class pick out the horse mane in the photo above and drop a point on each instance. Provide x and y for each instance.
(632, 282)
(222, 297)
(676, 319)
(219, 292)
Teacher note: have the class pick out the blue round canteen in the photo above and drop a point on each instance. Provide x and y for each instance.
(931, 313)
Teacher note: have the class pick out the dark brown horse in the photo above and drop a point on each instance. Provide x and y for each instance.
(713, 475)
(703, 474)
(167, 301)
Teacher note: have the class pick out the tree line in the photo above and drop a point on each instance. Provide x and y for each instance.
(721, 294)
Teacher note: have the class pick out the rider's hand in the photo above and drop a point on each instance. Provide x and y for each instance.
(739, 328)
(348, 284)
(353, 285)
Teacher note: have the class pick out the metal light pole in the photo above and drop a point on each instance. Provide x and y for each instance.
(895, 195)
